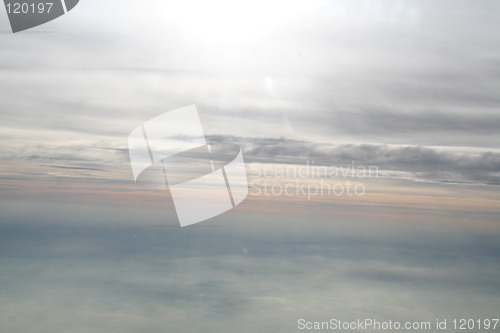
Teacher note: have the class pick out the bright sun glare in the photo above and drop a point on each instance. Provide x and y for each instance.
(229, 21)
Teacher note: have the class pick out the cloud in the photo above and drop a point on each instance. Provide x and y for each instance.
(437, 164)
(188, 280)
(409, 87)
(352, 73)
(70, 167)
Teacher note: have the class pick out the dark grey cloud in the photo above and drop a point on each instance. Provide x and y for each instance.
(70, 167)
(442, 165)
(94, 162)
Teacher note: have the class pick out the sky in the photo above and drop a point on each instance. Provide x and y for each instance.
(409, 89)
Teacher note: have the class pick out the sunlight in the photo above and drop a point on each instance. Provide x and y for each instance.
(236, 22)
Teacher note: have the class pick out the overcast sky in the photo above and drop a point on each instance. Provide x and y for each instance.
(410, 87)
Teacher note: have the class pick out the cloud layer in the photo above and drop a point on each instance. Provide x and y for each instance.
(411, 88)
